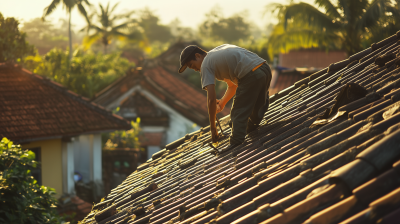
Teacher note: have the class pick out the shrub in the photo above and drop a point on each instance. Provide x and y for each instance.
(22, 200)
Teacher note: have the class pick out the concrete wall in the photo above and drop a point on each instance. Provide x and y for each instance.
(51, 163)
(179, 125)
(68, 167)
(87, 157)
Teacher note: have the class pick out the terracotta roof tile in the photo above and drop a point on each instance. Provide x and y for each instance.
(35, 108)
(293, 169)
(168, 87)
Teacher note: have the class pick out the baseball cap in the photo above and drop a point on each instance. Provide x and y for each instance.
(185, 54)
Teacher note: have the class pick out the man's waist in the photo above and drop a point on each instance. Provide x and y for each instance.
(255, 68)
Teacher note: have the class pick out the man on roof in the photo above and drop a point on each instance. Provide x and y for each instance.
(248, 78)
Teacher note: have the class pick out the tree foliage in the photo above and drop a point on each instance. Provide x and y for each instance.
(22, 200)
(68, 5)
(87, 74)
(124, 139)
(108, 26)
(45, 35)
(339, 24)
(13, 46)
(153, 30)
(231, 29)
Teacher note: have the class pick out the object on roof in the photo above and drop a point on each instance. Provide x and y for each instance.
(33, 108)
(285, 171)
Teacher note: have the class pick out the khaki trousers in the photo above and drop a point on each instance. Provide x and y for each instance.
(250, 103)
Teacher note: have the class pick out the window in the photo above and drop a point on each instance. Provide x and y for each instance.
(37, 172)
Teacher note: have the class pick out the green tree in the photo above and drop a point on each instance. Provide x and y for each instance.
(388, 25)
(340, 24)
(22, 199)
(13, 46)
(45, 35)
(153, 30)
(69, 5)
(105, 29)
(124, 139)
(231, 29)
(87, 74)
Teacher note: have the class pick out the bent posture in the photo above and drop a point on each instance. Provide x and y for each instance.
(248, 78)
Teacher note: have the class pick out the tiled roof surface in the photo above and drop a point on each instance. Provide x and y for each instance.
(168, 87)
(290, 170)
(32, 107)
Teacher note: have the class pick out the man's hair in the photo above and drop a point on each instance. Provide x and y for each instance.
(192, 56)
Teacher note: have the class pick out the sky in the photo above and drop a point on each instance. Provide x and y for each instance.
(190, 13)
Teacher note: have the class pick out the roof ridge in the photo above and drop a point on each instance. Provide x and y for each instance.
(83, 100)
(181, 78)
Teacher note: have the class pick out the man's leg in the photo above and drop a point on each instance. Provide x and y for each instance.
(247, 94)
(262, 103)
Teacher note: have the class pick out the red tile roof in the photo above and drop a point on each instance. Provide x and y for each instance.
(168, 87)
(289, 170)
(32, 107)
(310, 58)
(283, 81)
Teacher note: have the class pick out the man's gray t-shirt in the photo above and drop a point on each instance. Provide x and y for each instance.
(227, 62)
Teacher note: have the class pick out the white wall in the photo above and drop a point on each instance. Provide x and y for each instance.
(87, 157)
(151, 150)
(179, 125)
(68, 167)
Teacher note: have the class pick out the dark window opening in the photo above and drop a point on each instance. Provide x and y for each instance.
(37, 172)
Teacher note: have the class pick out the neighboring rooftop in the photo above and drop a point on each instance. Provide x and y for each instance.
(310, 58)
(160, 77)
(305, 164)
(33, 108)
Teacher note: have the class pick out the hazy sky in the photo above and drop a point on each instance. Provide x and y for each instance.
(190, 13)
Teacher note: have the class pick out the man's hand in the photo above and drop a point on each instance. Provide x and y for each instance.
(214, 134)
(220, 106)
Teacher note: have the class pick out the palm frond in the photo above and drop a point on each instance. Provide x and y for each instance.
(87, 2)
(282, 40)
(308, 14)
(83, 12)
(272, 8)
(331, 10)
(123, 25)
(113, 8)
(96, 28)
(373, 13)
(49, 9)
(116, 33)
(90, 40)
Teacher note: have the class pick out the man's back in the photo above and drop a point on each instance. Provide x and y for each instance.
(228, 62)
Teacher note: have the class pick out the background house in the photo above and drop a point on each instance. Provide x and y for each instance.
(61, 127)
(168, 105)
(298, 64)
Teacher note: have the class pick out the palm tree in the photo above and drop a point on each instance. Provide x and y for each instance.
(106, 30)
(342, 24)
(69, 5)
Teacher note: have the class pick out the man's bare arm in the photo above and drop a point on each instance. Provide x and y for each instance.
(212, 107)
(229, 93)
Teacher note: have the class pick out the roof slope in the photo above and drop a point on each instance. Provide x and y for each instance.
(290, 170)
(33, 108)
(170, 88)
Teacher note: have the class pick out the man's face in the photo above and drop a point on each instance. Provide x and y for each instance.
(196, 64)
